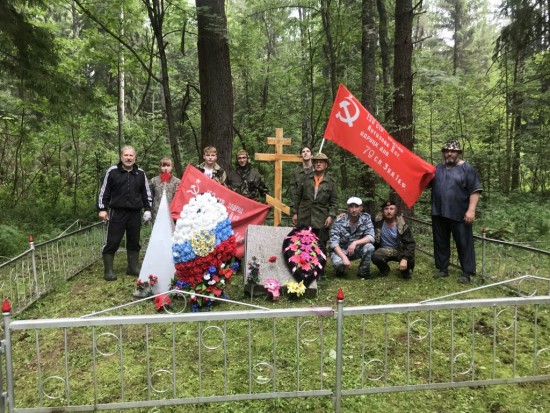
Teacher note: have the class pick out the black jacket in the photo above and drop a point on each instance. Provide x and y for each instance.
(121, 189)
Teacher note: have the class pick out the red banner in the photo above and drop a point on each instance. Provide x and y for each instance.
(242, 211)
(352, 127)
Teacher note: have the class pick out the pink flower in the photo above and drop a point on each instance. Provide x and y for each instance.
(293, 247)
(295, 259)
(307, 248)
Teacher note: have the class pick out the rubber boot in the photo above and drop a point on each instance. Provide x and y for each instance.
(133, 266)
(108, 267)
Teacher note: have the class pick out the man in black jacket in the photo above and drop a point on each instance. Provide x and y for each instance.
(393, 241)
(123, 194)
(245, 180)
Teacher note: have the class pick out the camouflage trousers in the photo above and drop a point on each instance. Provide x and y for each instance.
(362, 252)
(383, 255)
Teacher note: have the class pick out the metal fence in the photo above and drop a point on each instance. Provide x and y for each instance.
(120, 362)
(123, 362)
(496, 260)
(28, 276)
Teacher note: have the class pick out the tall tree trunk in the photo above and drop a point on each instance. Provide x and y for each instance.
(516, 124)
(330, 52)
(121, 109)
(459, 8)
(368, 84)
(215, 79)
(155, 10)
(402, 74)
(385, 58)
(307, 72)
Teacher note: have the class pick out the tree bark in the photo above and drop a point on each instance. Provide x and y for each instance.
(121, 108)
(368, 84)
(385, 58)
(215, 79)
(155, 11)
(402, 75)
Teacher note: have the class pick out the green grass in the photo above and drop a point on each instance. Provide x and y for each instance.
(87, 293)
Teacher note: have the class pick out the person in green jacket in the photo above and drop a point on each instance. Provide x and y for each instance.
(300, 172)
(316, 200)
(245, 180)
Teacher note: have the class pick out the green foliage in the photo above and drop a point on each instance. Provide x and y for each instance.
(519, 218)
(12, 241)
(59, 121)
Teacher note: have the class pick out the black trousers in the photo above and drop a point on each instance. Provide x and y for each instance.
(123, 221)
(462, 233)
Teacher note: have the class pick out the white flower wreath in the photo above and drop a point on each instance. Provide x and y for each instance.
(202, 213)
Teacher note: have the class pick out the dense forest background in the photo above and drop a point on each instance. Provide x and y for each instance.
(79, 79)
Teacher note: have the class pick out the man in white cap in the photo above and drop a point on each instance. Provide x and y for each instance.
(352, 238)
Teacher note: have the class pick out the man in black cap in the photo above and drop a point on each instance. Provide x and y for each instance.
(393, 241)
(456, 190)
(245, 180)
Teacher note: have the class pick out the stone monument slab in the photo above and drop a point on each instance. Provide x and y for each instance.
(263, 242)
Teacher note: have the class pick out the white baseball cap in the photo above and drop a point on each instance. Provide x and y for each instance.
(355, 200)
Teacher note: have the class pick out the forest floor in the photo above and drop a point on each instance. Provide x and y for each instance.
(88, 292)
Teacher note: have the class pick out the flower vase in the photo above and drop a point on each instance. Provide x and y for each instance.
(140, 293)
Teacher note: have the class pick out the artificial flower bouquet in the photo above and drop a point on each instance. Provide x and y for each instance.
(273, 288)
(295, 289)
(203, 245)
(212, 284)
(145, 288)
(303, 255)
(253, 276)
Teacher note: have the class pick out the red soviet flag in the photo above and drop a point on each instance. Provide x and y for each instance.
(242, 211)
(352, 127)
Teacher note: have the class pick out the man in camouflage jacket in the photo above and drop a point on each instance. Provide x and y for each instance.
(393, 240)
(316, 200)
(245, 180)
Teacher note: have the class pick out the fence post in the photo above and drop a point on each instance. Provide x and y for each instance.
(6, 347)
(339, 350)
(33, 260)
(483, 237)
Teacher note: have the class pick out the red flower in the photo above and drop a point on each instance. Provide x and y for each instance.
(161, 301)
(273, 258)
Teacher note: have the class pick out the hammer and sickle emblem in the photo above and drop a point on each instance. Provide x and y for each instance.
(348, 118)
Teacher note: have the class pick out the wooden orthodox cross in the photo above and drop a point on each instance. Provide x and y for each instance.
(278, 157)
